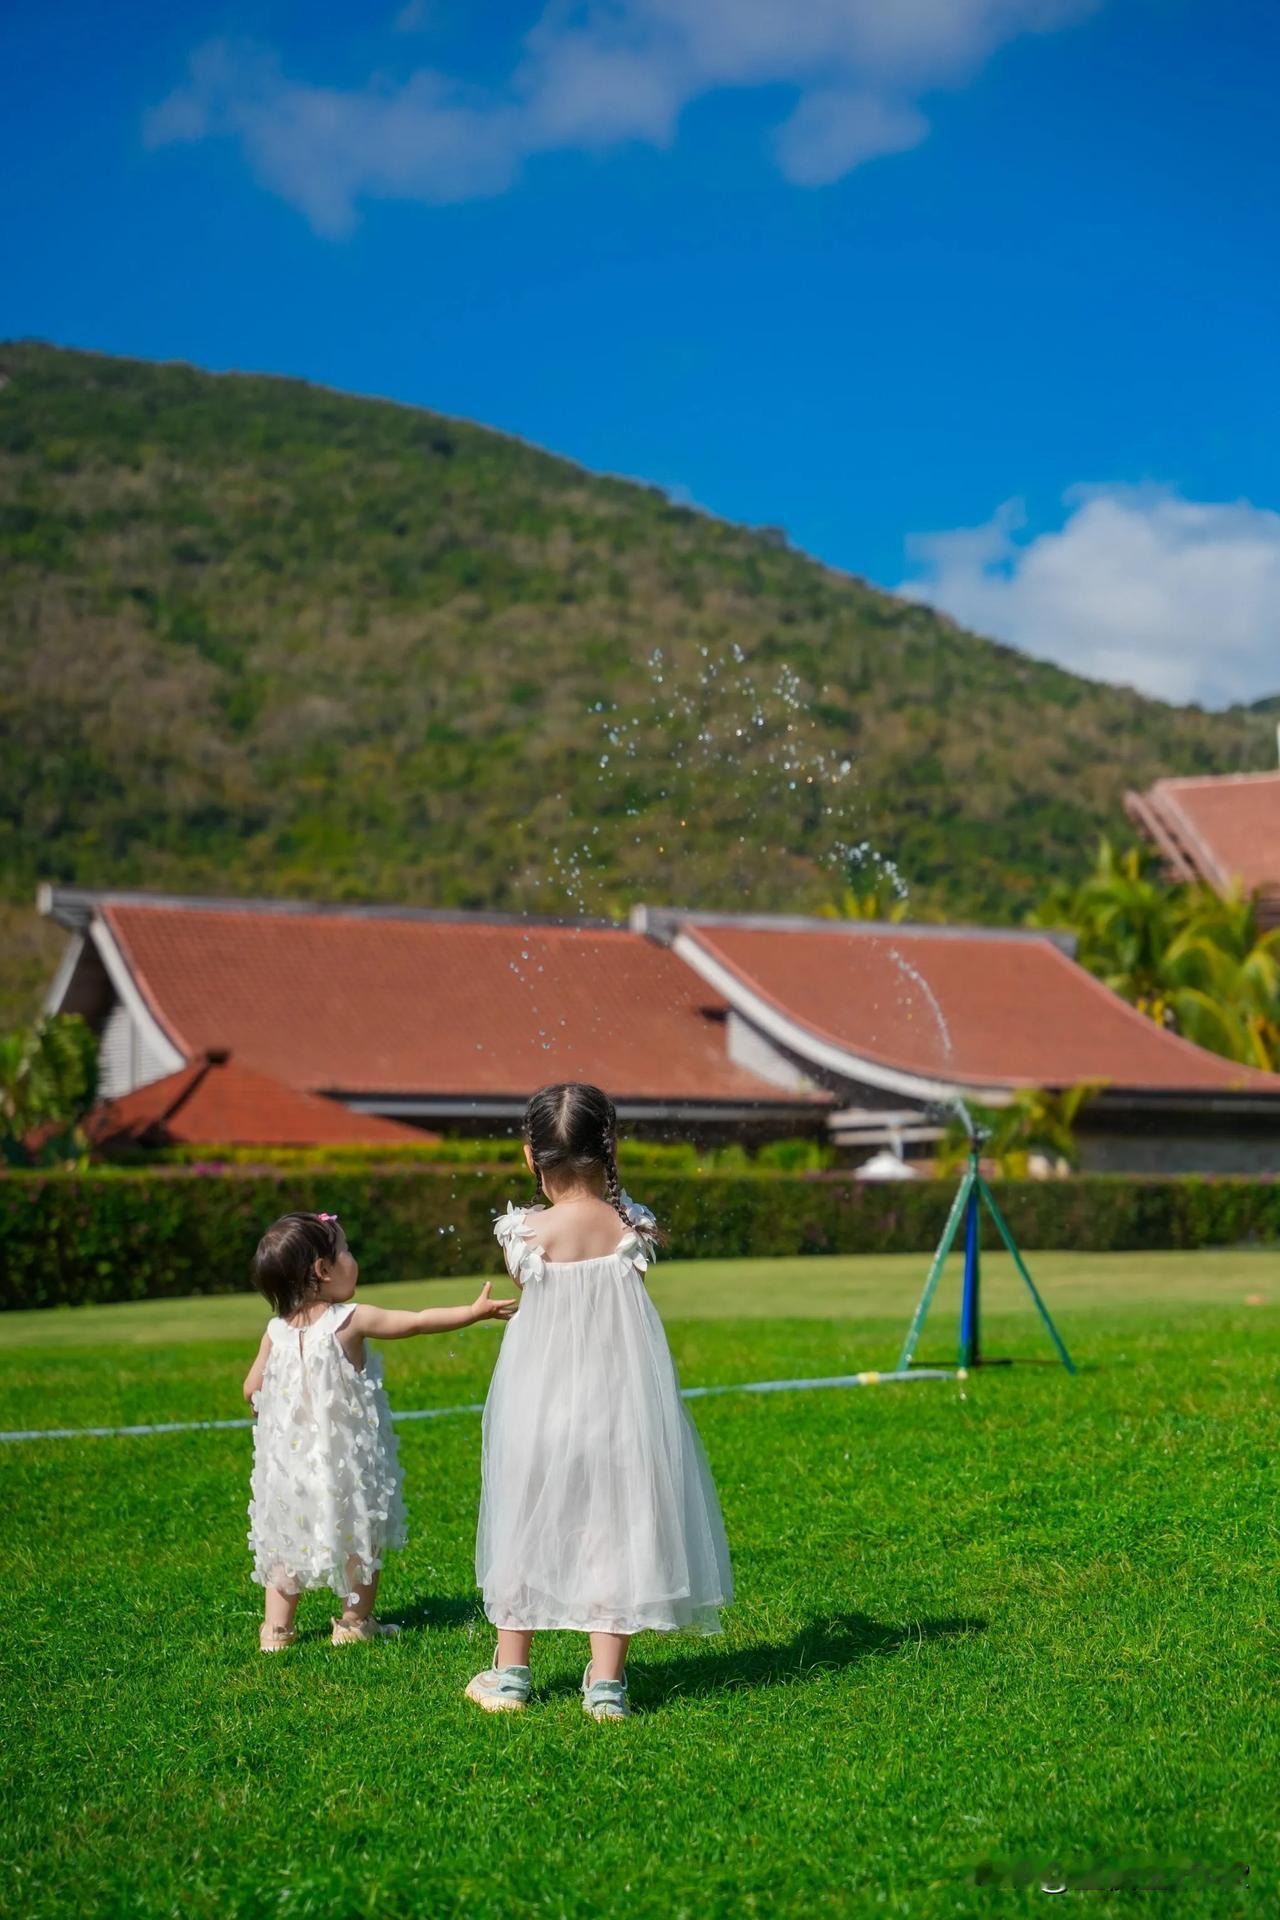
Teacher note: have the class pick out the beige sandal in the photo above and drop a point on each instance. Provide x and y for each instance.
(347, 1631)
(275, 1639)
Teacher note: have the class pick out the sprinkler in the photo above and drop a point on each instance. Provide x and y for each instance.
(973, 1194)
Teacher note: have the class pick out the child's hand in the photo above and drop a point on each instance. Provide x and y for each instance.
(484, 1307)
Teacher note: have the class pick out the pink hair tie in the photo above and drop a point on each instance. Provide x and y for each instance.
(326, 1216)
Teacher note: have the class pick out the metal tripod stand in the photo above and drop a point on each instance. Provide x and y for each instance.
(972, 1196)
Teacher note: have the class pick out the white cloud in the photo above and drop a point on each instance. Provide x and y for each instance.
(312, 145)
(596, 74)
(1179, 598)
(833, 130)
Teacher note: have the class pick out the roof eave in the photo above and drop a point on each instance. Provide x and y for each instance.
(498, 1106)
(74, 908)
(821, 1053)
(665, 924)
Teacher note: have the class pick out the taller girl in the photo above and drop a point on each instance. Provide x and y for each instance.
(597, 1509)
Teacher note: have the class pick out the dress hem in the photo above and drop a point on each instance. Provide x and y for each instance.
(707, 1624)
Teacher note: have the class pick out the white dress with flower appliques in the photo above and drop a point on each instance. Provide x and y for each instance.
(597, 1508)
(326, 1501)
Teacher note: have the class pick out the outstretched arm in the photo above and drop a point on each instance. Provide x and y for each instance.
(253, 1379)
(387, 1323)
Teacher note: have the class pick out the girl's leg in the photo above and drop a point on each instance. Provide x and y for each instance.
(504, 1692)
(357, 1622)
(513, 1647)
(608, 1656)
(361, 1608)
(279, 1610)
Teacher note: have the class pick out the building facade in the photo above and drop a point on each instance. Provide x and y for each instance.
(704, 1026)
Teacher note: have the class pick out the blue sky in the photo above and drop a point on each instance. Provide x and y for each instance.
(975, 297)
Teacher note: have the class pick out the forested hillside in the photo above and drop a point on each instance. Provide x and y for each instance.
(259, 636)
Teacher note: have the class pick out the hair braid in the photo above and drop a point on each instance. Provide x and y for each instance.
(571, 1131)
(612, 1188)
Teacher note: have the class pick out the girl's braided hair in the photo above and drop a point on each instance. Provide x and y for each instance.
(284, 1265)
(572, 1127)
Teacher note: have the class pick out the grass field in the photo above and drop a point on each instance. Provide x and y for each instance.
(1023, 1617)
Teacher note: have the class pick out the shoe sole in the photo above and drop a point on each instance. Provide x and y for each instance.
(487, 1703)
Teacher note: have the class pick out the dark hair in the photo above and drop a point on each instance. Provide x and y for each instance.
(572, 1127)
(284, 1265)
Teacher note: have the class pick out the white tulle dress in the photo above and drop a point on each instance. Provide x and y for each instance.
(326, 1502)
(597, 1506)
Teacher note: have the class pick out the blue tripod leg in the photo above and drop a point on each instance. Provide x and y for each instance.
(972, 1279)
(939, 1261)
(1021, 1265)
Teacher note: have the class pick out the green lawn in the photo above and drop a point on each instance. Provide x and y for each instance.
(1020, 1617)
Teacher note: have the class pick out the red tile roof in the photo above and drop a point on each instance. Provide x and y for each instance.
(979, 1009)
(384, 1005)
(222, 1102)
(1216, 828)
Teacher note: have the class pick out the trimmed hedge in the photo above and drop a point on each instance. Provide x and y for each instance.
(642, 1156)
(106, 1234)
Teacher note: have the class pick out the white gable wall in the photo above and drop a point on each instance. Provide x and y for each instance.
(126, 1057)
(94, 981)
(747, 1047)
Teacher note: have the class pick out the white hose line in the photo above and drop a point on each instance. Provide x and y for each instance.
(440, 1413)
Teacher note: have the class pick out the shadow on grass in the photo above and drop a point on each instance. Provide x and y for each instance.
(990, 1361)
(427, 1610)
(841, 1641)
(437, 1610)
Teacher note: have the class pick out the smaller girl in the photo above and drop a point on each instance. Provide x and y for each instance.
(326, 1499)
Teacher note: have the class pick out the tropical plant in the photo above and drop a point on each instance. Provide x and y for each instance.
(1224, 982)
(1035, 1122)
(1192, 960)
(880, 902)
(48, 1079)
(1124, 921)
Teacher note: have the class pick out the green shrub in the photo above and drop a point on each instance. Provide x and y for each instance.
(639, 1157)
(111, 1234)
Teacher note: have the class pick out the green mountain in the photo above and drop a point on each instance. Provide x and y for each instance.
(259, 636)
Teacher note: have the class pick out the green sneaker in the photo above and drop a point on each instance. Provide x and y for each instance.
(605, 1699)
(500, 1689)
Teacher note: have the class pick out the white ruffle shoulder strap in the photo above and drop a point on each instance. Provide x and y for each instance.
(525, 1260)
(638, 1246)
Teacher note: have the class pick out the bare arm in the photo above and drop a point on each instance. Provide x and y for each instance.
(253, 1379)
(386, 1323)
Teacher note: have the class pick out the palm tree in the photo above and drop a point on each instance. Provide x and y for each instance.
(1224, 983)
(1123, 920)
(879, 902)
(1035, 1121)
(1189, 959)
